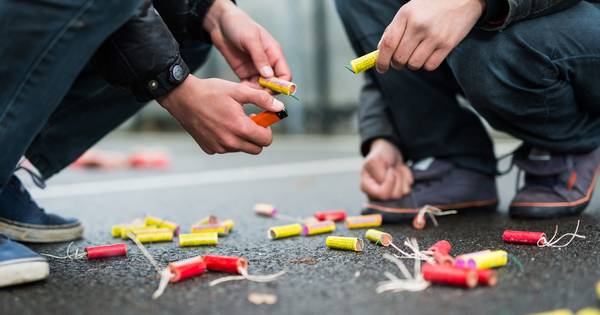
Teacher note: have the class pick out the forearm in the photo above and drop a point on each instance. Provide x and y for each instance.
(374, 118)
(501, 13)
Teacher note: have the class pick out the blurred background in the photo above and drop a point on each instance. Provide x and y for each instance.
(316, 48)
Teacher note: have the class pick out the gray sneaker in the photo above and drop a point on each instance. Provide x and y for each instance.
(555, 185)
(440, 184)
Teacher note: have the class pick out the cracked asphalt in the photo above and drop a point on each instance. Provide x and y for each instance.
(318, 280)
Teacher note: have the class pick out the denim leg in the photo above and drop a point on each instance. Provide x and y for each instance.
(45, 45)
(538, 79)
(421, 106)
(91, 109)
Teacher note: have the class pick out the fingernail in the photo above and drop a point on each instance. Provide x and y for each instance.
(267, 71)
(278, 105)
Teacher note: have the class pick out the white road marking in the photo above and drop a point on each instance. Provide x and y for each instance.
(296, 169)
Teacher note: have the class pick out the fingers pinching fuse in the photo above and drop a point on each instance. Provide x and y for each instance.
(364, 63)
(284, 231)
(450, 275)
(344, 243)
(314, 228)
(266, 119)
(278, 85)
(379, 237)
(198, 239)
(364, 221)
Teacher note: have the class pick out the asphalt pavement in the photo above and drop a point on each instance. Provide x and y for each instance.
(300, 175)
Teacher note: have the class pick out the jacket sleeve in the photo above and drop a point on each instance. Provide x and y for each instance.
(373, 117)
(185, 18)
(501, 13)
(142, 56)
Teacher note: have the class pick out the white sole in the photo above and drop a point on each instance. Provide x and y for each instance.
(23, 272)
(33, 235)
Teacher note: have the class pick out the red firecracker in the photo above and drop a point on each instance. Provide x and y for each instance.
(442, 246)
(450, 275)
(102, 251)
(524, 237)
(227, 264)
(187, 268)
(332, 215)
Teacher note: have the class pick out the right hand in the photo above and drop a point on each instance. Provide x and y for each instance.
(211, 111)
(384, 175)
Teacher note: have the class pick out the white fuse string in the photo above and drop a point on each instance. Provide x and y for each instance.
(544, 242)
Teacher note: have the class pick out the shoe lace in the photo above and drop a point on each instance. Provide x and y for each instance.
(37, 179)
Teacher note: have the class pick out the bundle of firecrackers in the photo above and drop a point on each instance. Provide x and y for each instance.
(205, 232)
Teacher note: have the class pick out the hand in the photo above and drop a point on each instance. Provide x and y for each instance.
(211, 111)
(424, 32)
(248, 48)
(384, 175)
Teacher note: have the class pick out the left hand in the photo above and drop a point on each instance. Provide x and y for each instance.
(248, 48)
(424, 32)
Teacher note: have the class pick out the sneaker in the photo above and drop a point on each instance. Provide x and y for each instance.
(555, 184)
(440, 184)
(21, 219)
(19, 264)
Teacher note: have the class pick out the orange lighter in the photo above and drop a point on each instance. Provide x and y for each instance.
(266, 119)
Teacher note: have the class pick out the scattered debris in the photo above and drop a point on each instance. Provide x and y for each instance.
(304, 261)
(262, 298)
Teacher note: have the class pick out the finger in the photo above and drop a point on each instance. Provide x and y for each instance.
(389, 42)
(398, 189)
(370, 187)
(254, 47)
(407, 46)
(250, 148)
(386, 188)
(421, 55)
(259, 98)
(253, 133)
(377, 168)
(277, 58)
(436, 59)
(407, 179)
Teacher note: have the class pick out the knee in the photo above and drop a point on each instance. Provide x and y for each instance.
(495, 68)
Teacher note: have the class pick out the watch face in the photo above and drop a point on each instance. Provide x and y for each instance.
(177, 73)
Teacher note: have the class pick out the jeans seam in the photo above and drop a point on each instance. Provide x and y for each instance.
(42, 57)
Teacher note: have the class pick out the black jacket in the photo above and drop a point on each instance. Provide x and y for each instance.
(373, 114)
(143, 54)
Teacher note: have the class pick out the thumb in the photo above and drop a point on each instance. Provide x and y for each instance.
(255, 48)
(259, 98)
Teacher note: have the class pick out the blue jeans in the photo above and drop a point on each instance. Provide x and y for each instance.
(538, 80)
(53, 104)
